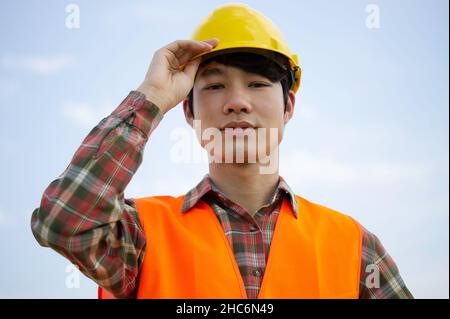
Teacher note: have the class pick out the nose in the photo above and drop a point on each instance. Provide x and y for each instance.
(237, 102)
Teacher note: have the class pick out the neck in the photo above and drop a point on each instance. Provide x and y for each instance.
(244, 184)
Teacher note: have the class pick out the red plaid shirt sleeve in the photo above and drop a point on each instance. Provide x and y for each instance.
(83, 214)
(380, 276)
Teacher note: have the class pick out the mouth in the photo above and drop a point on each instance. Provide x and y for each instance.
(243, 125)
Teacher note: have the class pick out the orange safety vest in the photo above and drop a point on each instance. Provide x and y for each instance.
(188, 255)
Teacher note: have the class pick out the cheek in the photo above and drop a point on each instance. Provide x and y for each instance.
(271, 113)
(204, 120)
(206, 107)
(272, 116)
(270, 102)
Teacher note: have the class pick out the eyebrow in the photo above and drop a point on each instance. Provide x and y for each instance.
(210, 72)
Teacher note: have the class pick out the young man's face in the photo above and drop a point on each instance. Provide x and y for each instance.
(225, 94)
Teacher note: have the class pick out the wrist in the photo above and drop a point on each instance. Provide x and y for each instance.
(154, 98)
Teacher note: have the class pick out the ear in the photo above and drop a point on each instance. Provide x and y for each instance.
(187, 113)
(289, 107)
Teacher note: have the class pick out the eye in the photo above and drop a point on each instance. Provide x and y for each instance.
(214, 87)
(259, 84)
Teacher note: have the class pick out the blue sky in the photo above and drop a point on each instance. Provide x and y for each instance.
(369, 136)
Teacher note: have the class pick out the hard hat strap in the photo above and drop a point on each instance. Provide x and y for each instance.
(292, 72)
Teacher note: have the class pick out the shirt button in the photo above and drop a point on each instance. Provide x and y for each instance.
(253, 228)
(257, 272)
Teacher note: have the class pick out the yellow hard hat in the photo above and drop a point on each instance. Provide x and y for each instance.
(241, 28)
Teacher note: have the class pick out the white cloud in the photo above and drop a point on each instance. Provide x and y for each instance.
(84, 115)
(315, 169)
(35, 64)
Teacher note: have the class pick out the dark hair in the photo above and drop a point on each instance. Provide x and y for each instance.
(253, 63)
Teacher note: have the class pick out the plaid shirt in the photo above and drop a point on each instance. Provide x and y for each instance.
(84, 216)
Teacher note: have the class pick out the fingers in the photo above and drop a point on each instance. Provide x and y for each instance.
(184, 50)
(213, 42)
(192, 67)
(179, 48)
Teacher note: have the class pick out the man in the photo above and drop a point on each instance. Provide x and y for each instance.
(241, 232)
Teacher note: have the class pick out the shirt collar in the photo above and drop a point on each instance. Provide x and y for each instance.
(206, 184)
